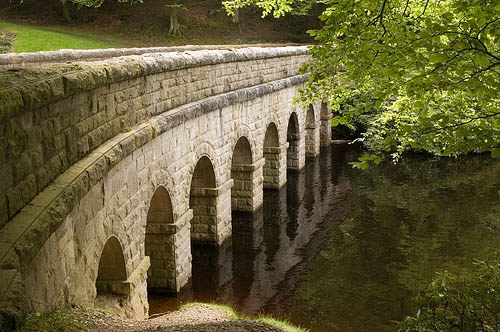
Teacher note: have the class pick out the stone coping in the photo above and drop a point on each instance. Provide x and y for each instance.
(25, 234)
(25, 60)
(24, 90)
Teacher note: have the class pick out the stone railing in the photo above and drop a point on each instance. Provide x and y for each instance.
(27, 60)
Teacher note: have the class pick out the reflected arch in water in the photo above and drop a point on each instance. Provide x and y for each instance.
(160, 242)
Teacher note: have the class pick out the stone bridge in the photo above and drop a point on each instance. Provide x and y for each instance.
(111, 168)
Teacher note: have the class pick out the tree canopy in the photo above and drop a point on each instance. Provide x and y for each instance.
(425, 74)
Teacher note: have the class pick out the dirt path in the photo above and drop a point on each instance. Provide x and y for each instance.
(197, 318)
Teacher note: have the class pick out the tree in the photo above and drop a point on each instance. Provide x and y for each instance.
(66, 6)
(175, 27)
(425, 73)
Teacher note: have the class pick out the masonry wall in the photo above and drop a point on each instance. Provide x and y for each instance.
(53, 116)
(58, 239)
(65, 268)
(81, 156)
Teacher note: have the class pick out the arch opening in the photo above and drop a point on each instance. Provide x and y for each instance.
(242, 173)
(160, 244)
(271, 153)
(312, 134)
(293, 139)
(203, 201)
(310, 117)
(112, 273)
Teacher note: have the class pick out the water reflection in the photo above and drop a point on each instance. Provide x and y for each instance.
(266, 256)
(397, 226)
(343, 250)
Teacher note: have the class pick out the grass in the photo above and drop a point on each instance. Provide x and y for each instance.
(232, 314)
(280, 324)
(34, 39)
(58, 320)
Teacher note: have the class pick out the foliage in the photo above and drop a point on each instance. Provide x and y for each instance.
(465, 303)
(55, 321)
(426, 70)
(28, 39)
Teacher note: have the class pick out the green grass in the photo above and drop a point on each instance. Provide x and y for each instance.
(59, 320)
(280, 324)
(34, 39)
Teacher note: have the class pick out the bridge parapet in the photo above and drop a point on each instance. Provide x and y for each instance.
(28, 60)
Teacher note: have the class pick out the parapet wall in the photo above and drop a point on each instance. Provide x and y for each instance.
(28, 60)
(54, 115)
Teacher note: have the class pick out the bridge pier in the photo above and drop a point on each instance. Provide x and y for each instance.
(313, 140)
(246, 194)
(326, 125)
(275, 166)
(296, 152)
(211, 221)
(168, 246)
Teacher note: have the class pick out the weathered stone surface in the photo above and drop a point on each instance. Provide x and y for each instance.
(123, 127)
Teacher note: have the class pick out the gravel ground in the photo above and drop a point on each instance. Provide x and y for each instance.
(194, 318)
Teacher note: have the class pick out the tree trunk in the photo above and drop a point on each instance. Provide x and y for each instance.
(66, 11)
(175, 27)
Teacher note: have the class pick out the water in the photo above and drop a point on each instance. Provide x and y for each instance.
(346, 250)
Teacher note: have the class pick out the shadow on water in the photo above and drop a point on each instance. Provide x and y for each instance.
(338, 249)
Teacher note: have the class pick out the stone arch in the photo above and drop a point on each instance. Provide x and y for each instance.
(271, 137)
(203, 202)
(204, 150)
(271, 154)
(159, 242)
(112, 270)
(163, 177)
(310, 117)
(242, 152)
(204, 174)
(242, 171)
(326, 127)
(160, 207)
(293, 139)
(312, 133)
(244, 131)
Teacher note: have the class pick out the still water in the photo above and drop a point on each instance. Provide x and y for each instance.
(343, 250)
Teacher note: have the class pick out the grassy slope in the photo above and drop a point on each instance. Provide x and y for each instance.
(39, 25)
(32, 39)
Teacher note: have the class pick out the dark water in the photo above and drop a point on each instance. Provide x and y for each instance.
(345, 250)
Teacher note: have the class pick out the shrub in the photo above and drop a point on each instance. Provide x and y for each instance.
(464, 303)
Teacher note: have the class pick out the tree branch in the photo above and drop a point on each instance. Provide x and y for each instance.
(380, 18)
(434, 130)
